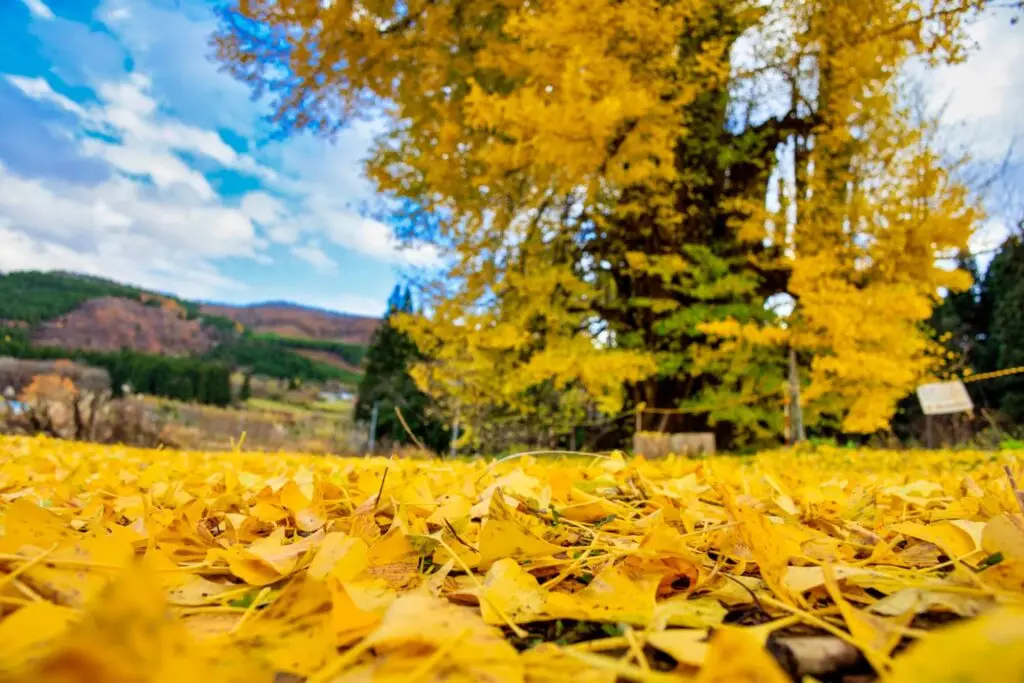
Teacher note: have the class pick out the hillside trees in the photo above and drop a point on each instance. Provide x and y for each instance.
(647, 201)
(179, 378)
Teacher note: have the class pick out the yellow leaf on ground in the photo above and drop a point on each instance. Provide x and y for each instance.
(954, 541)
(1005, 534)
(874, 635)
(423, 637)
(799, 580)
(736, 656)
(685, 612)
(549, 664)
(391, 548)
(502, 536)
(28, 632)
(294, 634)
(264, 561)
(687, 646)
(340, 555)
(614, 595)
(129, 635)
(987, 649)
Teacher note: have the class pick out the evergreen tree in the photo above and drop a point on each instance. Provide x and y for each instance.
(387, 383)
(1002, 301)
(960, 322)
(246, 393)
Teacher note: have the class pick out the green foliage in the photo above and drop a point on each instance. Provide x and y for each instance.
(182, 379)
(246, 392)
(350, 353)
(1002, 302)
(226, 326)
(273, 359)
(983, 328)
(33, 296)
(387, 383)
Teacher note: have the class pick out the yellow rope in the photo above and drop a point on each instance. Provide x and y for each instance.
(994, 375)
(643, 409)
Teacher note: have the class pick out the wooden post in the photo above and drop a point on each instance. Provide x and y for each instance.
(787, 432)
(928, 432)
(796, 413)
(373, 426)
(453, 450)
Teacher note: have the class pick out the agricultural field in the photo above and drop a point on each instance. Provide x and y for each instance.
(822, 564)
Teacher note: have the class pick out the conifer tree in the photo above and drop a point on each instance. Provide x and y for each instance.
(1002, 300)
(388, 384)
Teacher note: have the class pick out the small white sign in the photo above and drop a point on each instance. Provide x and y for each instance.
(944, 398)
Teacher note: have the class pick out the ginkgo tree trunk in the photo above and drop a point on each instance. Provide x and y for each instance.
(625, 191)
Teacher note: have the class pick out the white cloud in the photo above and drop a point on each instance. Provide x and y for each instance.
(164, 169)
(38, 89)
(312, 254)
(980, 101)
(986, 93)
(38, 9)
(271, 215)
(136, 139)
(328, 184)
(348, 303)
(119, 14)
(112, 260)
(161, 219)
(87, 217)
(370, 237)
(170, 41)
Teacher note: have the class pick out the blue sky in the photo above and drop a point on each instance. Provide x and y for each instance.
(125, 153)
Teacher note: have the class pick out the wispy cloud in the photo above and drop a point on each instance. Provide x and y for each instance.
(39, 89)
(39, 9)
(312, 254)
(129, 154)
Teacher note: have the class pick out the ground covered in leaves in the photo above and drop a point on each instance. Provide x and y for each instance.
(832, 565)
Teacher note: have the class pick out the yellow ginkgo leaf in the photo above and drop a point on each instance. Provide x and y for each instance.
(340, 555)
(687, 646)
(1005, 534)
(954, 541)
(989, 648)
(736, 656)
(28, 632)
(502, 536)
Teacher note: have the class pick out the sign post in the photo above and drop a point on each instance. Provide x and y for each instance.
(942, 398)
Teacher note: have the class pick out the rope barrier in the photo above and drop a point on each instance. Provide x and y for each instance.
(688, 411)
(993, 375)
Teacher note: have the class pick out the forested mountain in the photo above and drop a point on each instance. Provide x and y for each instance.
(142, 336)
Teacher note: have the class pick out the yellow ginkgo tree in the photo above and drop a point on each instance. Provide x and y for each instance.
(621, 188)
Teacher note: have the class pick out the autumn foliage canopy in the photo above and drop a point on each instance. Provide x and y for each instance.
(648, 201)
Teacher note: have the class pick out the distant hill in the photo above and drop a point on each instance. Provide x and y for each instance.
(49, 313)
(113, 323)
(299, 322)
